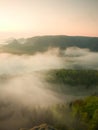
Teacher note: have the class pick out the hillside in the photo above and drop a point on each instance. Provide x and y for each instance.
(73, 77)
(73, 82)
(80, 114)
(43, 43)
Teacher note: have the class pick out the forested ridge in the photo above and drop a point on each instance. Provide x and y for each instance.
(43, 43)
(74, 77)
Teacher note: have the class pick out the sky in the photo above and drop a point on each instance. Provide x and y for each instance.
(26, 18)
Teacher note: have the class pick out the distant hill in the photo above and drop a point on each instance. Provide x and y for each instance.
(43, 43)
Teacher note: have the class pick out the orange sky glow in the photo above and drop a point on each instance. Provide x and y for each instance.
(27, 18)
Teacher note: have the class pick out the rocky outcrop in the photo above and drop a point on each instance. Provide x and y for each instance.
(41, 127)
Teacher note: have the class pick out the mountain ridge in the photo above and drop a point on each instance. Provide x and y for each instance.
(43, 43)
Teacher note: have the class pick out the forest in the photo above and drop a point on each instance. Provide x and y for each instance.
(79, 114)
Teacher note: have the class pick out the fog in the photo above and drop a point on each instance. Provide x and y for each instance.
(22, 83)
(81, 58)
(51, 59)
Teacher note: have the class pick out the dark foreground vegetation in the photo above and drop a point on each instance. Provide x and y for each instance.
(80, 114)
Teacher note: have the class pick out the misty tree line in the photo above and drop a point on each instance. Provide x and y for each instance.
(74, 77)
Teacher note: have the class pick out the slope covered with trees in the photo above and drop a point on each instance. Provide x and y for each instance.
(80, 114)
(74, 77)
(42, 43)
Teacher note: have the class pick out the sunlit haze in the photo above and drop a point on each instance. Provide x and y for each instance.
(26, 18)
